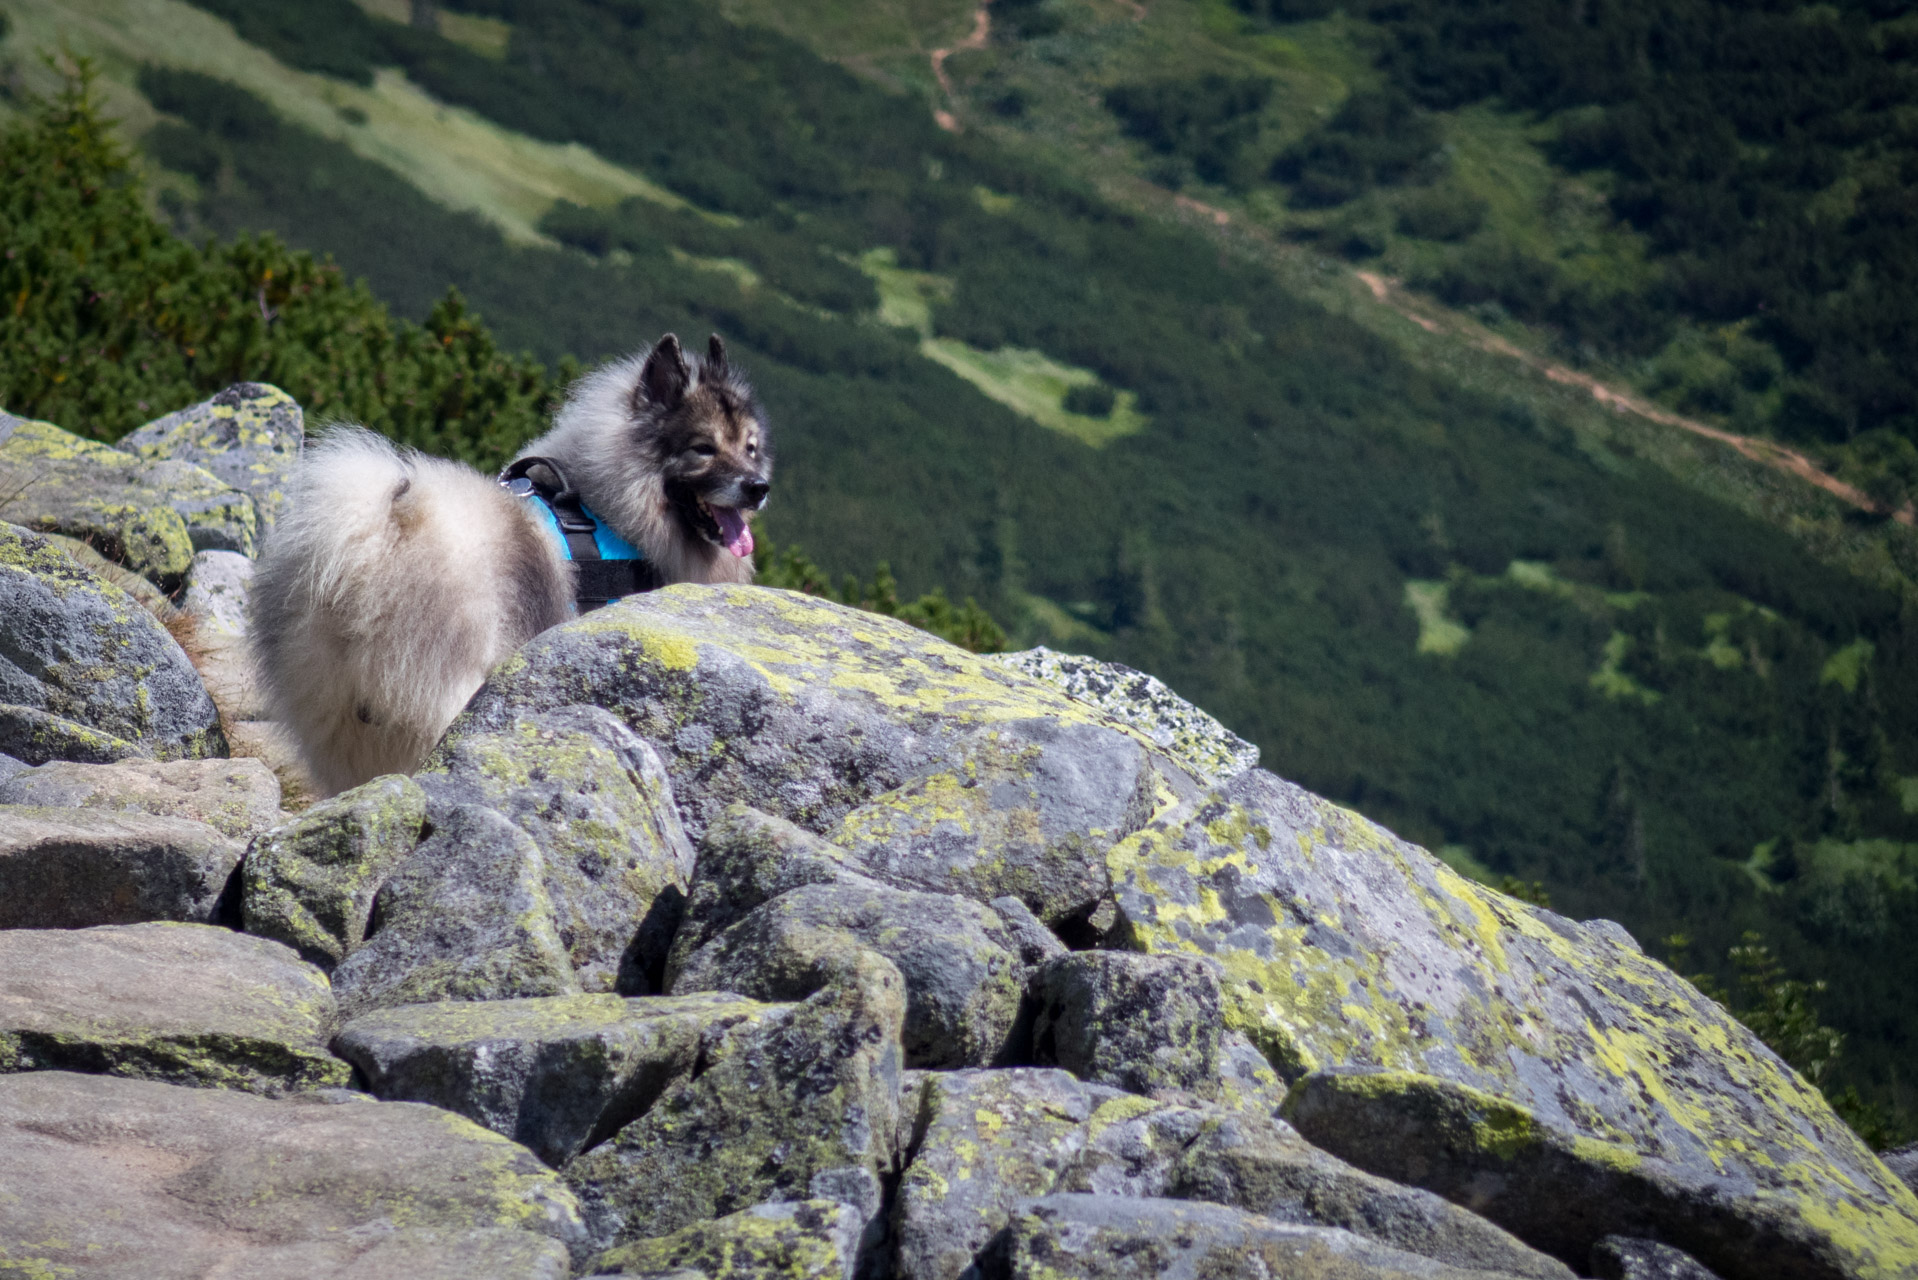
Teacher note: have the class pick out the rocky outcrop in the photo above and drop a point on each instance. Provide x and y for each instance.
(85, 672)
(732, 933)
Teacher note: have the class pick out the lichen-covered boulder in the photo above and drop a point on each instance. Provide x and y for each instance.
(984, 1141)
(594, 799)
(799, 1103)
(1340, 945)
(183, 1004)
(558, 1074)
(311, 882)
(248, 435)
(148, 515)
(75, 868)
(1564, 1192)
(1024, 808)
(214, 601)
(237, 798)
(964, 978)
(1247, 1081)
(746, 859)
(1265, 1167)
(796, 706)
(792, 1240)
(1091, 1237)
(1181, 730)
(465, 917)
(130, 1180)
(1625, 1258)
(1145, 1024)
(85, 672)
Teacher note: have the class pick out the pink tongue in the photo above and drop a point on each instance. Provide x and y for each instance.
(732, 527)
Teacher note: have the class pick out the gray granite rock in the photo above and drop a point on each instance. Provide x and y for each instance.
(310, 883)
(558, 1074)
(1092, 1237)
(796, 706)
(74, 868)
(57, 482)
(964, 978)
(1184, 732)
(11, 767)
(238, 798)
(1903, 1164)
(1559, 1193)
(214, 602)
(248, 435)
(799, 1103)
(179, 1003)
(1341, 946)
(117, 1179)
(465, 917)
(85, 672)
(1623, 1258)
(1145, 1024)
(800, 1239)
(984, 1140)
(594, 799)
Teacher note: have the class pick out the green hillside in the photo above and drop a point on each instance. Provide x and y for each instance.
(1674, 685)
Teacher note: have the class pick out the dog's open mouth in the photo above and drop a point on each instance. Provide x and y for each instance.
(725, 526)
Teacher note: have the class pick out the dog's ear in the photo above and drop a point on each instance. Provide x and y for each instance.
(716, 355)
(663, 379)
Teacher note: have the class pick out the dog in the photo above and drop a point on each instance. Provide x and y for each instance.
(398, 581)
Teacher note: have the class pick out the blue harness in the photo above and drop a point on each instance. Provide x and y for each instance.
(606, 567)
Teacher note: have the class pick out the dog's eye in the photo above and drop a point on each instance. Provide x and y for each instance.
(703, 450)
(752, 450)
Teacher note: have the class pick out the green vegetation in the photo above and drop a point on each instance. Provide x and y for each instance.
(1253, 541)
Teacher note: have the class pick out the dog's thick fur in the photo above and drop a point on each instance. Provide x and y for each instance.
(398, 581)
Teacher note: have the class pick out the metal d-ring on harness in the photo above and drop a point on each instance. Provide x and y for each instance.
(606, 566)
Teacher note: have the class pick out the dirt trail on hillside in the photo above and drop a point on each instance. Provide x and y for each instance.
(1436, 318)
(981, 32)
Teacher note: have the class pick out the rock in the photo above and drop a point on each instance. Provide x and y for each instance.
(237, 798)
(796, 706)
(131, 1180)
(248, 435)
(214, 600)
(748, 858)
(57, 482)
(964, 980)
(1247, 1081)
(311, 883)
(1145, 1024)
(151, 598)
(594, 798)
(1342, 946)
(1024, 808)
(1091, 1237)
(984, 1141)
(85, 671)
(1561, 1192)
(178, 1003)
(800, 1239)
(1623, 1258)
(1264, 1167)
(1903, 1164)
(1196, 740)
(800, 1103)
(559, 1074)
(465, 917)
(215, 593)
(11, 768)
(74, 868)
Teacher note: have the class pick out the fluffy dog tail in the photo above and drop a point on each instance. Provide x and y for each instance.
(395, 583)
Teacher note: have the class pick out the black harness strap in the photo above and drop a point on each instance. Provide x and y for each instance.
(597, 581)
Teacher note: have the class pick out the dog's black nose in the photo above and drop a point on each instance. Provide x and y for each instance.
(756, 491)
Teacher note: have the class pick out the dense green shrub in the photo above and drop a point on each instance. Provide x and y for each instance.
(1094, 400)
(1205, 120)
(1377, 138)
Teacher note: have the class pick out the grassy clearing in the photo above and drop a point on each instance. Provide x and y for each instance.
(454, 157)
(487, 37)
(1438, 633)
(1033, 384)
